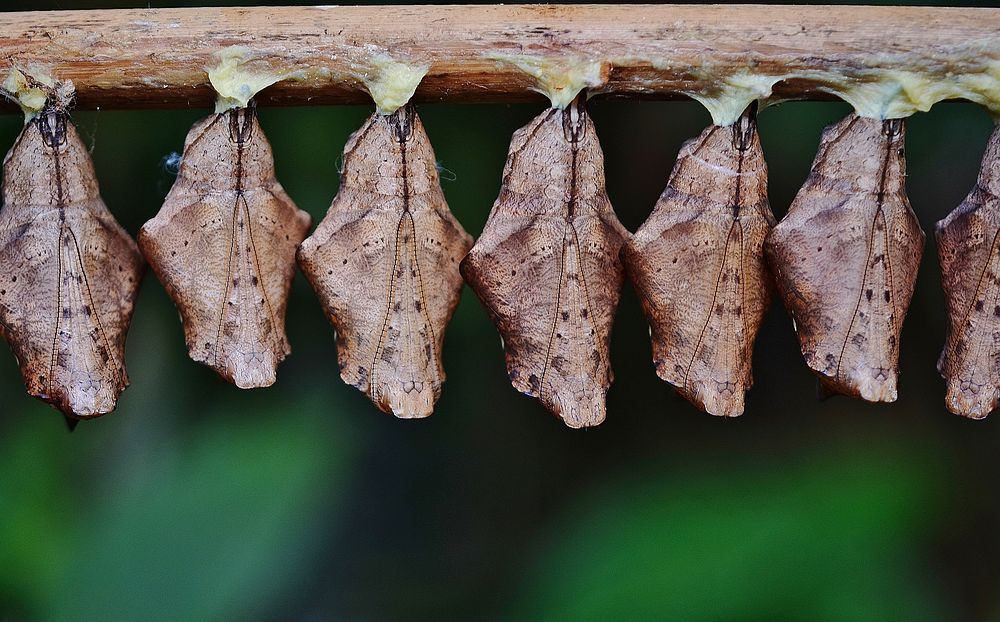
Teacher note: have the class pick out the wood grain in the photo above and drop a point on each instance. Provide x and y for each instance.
(141, 58)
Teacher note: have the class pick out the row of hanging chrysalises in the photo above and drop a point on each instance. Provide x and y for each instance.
(389, 259)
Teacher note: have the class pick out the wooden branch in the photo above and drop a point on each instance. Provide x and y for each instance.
(156, 57)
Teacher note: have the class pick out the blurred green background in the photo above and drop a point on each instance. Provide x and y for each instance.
(197, 501)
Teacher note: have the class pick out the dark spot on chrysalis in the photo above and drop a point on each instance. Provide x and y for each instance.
(534, 383)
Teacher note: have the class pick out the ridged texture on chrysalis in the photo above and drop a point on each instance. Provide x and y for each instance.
(384, 263)
(223, 245)
(969, 250)
(69, 273)
(547, 266)
(699, 270)
(845, 258)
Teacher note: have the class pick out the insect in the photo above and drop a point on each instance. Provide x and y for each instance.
(698, 266)
(69, 273)
(384, 262)
(223, 245)
(547, 265)
(845, 258)
(969, 250)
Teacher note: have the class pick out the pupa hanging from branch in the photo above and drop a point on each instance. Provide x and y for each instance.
(547, 266)
(698, 266)
(968, 242)
(69, 273)
(845, 258)
(384, 262)
(223, 245)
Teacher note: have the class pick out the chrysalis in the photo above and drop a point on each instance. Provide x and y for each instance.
(845, 258)
(547, 266)
(384, 262)
(969, 250)
(69, 273)
(223, 245)
(698, 266)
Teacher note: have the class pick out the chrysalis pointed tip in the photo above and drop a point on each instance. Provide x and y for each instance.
(824, 390)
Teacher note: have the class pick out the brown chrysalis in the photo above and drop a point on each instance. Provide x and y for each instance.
(547, 266)
(969, 249)
(698, 266)
(223, 245)
(69, 273)
(384, 262)
(845, 258)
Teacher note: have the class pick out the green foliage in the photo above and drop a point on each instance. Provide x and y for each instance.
(824, 538)
(220, 526)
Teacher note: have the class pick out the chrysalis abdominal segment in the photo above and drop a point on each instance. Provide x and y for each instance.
(547, 265)
(845, 258)
(968, 241)
(698, 266)
(384, 262)
(223, 245)
(70, 272)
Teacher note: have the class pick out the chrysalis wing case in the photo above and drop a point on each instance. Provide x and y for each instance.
(69, 273)
(223, 245)
(698, 266)
(547, 265)
(845, 258)
(384, 263)
(969, 250)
